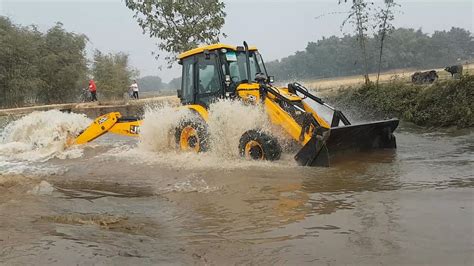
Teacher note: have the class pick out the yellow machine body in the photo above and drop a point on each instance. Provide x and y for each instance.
(111, 122)
(208, 75)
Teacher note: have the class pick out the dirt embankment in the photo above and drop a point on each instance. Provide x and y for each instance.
(94, 109)
(330, 85)
(442, 104)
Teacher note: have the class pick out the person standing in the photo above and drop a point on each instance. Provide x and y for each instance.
(93, 90)
(134, 88)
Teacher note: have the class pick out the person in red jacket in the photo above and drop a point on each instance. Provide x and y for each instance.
(93, 90)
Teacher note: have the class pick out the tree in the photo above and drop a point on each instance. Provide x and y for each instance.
(179, 25)
(384, 17)
(175, 84)
(406, 48)
(37, 67)
(150, 83)
(112, 74)
(63, 65)
(359, 17)
(19, 61)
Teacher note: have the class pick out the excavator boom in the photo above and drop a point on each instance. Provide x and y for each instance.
(112, 122)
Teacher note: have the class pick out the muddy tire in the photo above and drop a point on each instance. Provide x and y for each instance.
(192, 135)
(257, 145)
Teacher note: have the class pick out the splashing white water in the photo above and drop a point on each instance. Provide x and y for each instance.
(40, 136)
(228, 120)
(157, 130)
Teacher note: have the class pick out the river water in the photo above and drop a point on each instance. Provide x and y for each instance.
(126, 201)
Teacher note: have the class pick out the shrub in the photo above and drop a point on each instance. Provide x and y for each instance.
(446, 103)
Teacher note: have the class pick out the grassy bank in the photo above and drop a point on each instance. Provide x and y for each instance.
(443, 104)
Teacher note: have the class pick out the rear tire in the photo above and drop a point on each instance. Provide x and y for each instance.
(192, 135)
(257, 145)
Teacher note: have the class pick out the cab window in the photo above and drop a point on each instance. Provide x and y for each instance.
(238, 68)
(208, 75)
(188, 80)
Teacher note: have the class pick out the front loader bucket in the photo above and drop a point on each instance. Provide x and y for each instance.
(319, 150)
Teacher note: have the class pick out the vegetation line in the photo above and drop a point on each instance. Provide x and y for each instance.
(443, 104)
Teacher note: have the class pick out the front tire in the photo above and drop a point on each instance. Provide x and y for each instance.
(192, 135)
(257, 145)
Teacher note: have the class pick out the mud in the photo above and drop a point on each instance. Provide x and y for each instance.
(122, 203)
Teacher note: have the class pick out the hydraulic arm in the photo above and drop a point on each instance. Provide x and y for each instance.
(111, 122)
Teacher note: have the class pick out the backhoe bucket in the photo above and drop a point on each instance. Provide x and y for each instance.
(320, 150)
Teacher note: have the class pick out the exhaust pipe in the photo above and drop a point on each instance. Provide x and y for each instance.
(247, 58)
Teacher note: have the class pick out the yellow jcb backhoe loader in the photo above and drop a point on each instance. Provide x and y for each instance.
(221, 71)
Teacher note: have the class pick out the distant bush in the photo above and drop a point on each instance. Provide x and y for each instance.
(443, 104)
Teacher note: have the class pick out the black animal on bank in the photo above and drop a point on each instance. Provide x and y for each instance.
(424, 77)
(454, 70)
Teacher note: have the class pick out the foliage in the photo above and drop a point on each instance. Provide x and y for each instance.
(112, 74)
(37, 67)
(358, 16)
(19, 61)
(179, 25)
(447, 103)
(150, 83)
(384, 17)
(63, 65)
(175, 84)
(406, 48)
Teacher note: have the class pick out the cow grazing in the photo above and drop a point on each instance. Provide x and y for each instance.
(454, 70)
(424, 77)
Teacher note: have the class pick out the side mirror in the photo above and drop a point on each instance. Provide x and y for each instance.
(179, 93)
(271, 79)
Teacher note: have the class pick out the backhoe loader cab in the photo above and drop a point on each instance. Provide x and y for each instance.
(216, 71)
(221, 71)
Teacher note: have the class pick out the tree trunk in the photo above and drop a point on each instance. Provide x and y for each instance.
(382, 38)
(360, 30)
(380, 58)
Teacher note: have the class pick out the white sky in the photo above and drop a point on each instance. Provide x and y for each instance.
(277, 28)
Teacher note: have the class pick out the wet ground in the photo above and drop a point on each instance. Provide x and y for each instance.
(117, 205)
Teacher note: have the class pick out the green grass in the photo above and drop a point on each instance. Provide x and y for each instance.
(442, 104)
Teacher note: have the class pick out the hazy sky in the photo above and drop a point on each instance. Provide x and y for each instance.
(278, 28)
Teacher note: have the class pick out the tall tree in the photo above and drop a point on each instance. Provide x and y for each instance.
(179, 25)
(384, 16)
(359, 17)
(19, 61)
(112, 74)
(63, 65)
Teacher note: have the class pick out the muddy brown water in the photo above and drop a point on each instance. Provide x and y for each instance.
(411, 206)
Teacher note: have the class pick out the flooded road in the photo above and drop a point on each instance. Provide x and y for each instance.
(113, 202)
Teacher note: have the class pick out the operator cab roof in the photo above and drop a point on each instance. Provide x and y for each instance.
(212, 47)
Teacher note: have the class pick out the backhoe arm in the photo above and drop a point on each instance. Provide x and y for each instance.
(111, 122)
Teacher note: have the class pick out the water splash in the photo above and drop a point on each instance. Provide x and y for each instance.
(40, 136)
(157, 130)
(228, 120)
